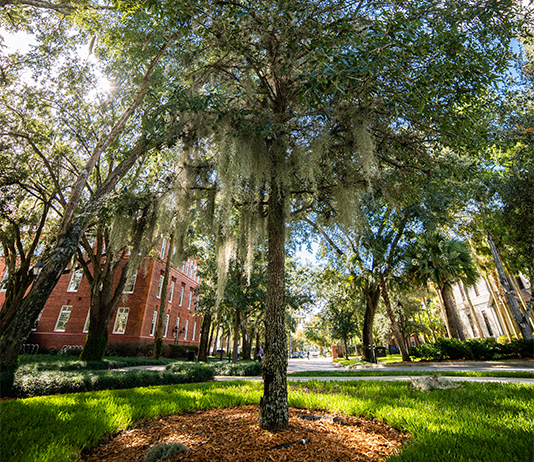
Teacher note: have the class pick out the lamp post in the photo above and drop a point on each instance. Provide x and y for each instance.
(401, 320)
(36, 270)
(176, 333)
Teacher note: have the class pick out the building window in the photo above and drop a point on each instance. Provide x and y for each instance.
(75, 280)
(177, 328)
(120, 321)
(486, 321)
(182, 295)
(160, 287)
(190, 299)
(130, 284)
(187, 266)
(520, 283)
(172, 292)
(153, 327)
(194, 330)
(86, 325)
(186, 328)
(3, 282)
(36, 323)
(163, 248)
(166, 325)
(475, 288)
(461, 292)
(63, 318)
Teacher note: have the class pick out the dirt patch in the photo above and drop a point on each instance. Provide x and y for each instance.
(234, 435)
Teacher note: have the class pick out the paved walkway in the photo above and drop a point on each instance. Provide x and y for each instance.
(326, 365)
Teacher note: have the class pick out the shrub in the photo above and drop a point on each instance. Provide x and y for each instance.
(242, 368)
(129, 349)
(522, 348)
(181, 351)
(7, 376)
(482, 350)
(164, 451)
(428, 351)
(60, 382)
(452, 348)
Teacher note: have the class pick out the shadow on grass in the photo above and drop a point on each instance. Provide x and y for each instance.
(479, 422)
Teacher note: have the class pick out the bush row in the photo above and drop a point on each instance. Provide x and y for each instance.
(37, 363)
(59, 382)
(242, 368)
(473, 349)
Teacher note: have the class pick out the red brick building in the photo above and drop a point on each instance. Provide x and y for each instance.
(64, 320)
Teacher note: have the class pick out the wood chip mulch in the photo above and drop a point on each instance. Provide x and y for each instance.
(234, 434)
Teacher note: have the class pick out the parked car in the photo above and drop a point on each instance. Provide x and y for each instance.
(295, 355)
(314, 354)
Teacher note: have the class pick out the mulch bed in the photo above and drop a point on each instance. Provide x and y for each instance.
(233, 434)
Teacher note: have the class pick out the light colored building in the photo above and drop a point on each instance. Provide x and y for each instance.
(491, 315)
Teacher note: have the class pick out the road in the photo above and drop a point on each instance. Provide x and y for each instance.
(326, 364)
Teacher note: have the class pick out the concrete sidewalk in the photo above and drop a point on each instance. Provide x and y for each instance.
(386, 378)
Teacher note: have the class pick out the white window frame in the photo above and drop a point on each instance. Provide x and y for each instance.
(187, 268)
(171, 292)
(190, 299)
(166, 328)
(86, 325)
(36, 323)
(75, 281)
(160, 286)
(177, 327)
(194, 330)
(186, 328)
(182, 290)
(154, 321)
(129, 287)
(63, 316)
(122, 313)
(163, 248)
(3, 282)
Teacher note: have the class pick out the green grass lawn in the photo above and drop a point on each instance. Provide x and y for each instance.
(478, 422)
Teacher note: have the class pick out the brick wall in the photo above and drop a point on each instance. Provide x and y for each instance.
(141, 303)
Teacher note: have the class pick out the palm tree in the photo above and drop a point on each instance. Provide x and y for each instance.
(444, 262)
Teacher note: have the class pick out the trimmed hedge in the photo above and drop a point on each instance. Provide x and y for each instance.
(60, 382)
(480, 350)
(242, 368)
(33, 366)
(130, 349)
(181, 351)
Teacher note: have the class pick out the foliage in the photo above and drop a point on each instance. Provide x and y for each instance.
(241, 368)
(51, 382)
(482, 421)
(164, 451)
(482, 350)
(129, 349)
(181, 351)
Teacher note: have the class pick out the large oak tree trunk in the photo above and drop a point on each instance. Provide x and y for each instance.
(274, 409)
(394, 326)
(18, 330)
